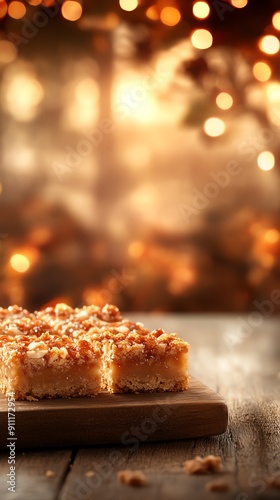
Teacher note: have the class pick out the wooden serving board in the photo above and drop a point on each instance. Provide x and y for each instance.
(116, 418)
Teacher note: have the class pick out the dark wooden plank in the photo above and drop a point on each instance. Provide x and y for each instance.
(33, 482)
(199, 411)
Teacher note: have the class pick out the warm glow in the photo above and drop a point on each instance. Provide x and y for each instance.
(261, 71)
(22, 95)
(152, 13)
(17, 10)
(170, 16)
(40, 235)
(214, 127)
(201, 10)
(34, 2)
(269, 44)
(266, 160)
(87, 92)
(8, 52)
(202, 39)
(273, 92)
(3, 8)
(224, 100)
(276, 20)
(81, 104)
(128, 88)
(128, 5)
(272, 236)
(19, 263)
(267, 260)
(239, 4)
(136, 249)
(71, 10)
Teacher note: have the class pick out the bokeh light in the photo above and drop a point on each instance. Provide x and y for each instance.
(128, 5)
(224, 100)
(170, 16)
(3, 8)
(214, 127)
(239, 4)
(22, 94)
(266, 160)
(261, 71)
(272, 236)
(269, 44)
(152, 13)
(71, 10)
(273, 92)
(20, 263)
(34, 2)
(17, 10)
(201, 10)
(202, 39)
(276, 20)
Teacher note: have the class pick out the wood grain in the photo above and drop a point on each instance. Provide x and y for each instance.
(115, 418)
(32, 481)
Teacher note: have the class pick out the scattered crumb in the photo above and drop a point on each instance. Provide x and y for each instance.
(217, 486)
(90, 473)
(200, 465)
(132, 477)
(50, 473)
(274, 483)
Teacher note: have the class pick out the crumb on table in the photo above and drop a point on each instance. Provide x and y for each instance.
(90, 473)
(217, 486)
(200, 465)
(50, 473)
(132, 477)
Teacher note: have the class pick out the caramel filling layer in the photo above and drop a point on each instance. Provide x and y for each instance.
(165, 368)
(48, 380)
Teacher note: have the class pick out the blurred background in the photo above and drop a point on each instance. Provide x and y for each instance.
(140, 159)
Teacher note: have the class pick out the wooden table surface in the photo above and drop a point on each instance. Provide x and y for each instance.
(230, 355)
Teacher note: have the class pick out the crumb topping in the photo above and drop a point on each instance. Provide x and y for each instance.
(49, 349)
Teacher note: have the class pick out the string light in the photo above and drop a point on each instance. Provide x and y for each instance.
(3, 8)
(214, 127)
(266, 160)
(20, 263)
(170, 16)
(71, 10)
(201, 10)
(202, 39)
(152, 13)
(224, 100)
(16, 10)
(276, 20)
(239, 4)
(269, 44)
(34, 2)
(128, 5)
(261, 71)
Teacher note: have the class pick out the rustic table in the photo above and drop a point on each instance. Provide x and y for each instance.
(238, 356)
